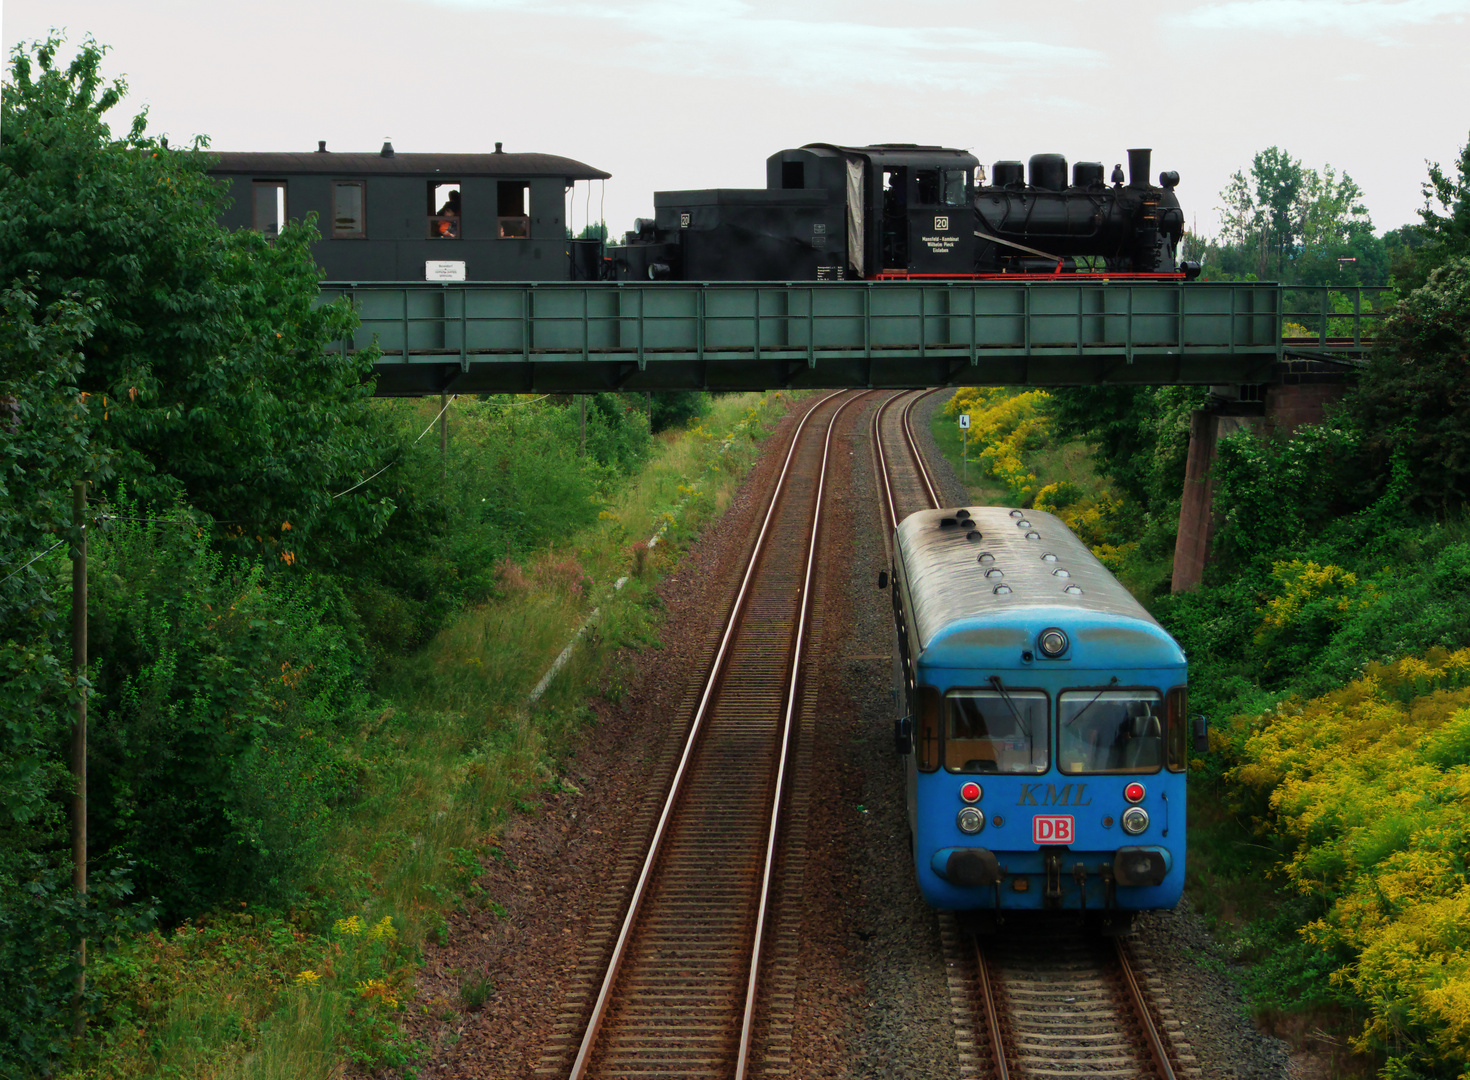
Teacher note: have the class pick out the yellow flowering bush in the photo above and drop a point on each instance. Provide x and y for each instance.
(1004, 424)
(1088, 518)
(1313, 601)
(1371, 783)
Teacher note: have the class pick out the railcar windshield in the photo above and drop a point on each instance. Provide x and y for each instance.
(993, 731)
(1110, 731)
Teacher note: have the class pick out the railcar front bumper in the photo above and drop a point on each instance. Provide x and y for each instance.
(1128, 867)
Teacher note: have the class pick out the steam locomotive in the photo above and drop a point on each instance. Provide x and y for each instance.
(900, 211)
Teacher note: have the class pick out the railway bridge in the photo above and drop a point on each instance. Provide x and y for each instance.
(1272, 354)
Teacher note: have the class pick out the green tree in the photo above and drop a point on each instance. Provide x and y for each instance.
(208, 353)
(1296, 224)
(1443, 233)
(1412, 403)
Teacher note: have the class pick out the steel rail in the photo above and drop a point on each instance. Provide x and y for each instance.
(886, 489)
(1139, 1004)
(920, 465)
(747, 1023)
(599, 1008)
(992, 1015)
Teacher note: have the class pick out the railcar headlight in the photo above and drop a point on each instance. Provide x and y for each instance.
(970, 820)
(1135, 820)
(1053, 642)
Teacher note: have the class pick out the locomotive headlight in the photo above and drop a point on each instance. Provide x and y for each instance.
(970, 820)
(1135, 820)
(971, 792)
(1053, 642)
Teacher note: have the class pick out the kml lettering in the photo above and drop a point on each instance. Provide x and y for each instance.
(1066, 795)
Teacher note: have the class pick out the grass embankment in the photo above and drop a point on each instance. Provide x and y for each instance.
(450, 750)
(1329, 841)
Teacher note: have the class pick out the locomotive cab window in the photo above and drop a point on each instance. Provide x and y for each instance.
(268, 206)
(1110, 731)
(443, 208)
(954, 185)
(990, 731)
(793, 175)
(348, 218)
(513, 209)
(941, 187)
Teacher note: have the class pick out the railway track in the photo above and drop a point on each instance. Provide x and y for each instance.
(685, 989)
(1048, 1001)
(905, 481)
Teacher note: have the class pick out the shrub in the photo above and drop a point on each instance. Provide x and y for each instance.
(1004, 425)
(1369, 785)
(216, 746)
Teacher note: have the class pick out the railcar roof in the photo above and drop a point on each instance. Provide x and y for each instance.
(902, 153)
(377, 164)
(947, 582)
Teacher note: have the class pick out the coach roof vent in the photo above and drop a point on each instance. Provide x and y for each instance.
(500, 148)
(387, 150)
(321, 146)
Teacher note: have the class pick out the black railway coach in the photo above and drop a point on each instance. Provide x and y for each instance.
(415, 217)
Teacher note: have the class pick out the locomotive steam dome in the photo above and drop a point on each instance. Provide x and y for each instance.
(1048, 171)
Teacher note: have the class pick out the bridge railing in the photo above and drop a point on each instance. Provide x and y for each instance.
(850, 318)
(749, 335)
(1344, 320)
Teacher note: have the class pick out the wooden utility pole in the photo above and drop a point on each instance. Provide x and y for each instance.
(79, 731)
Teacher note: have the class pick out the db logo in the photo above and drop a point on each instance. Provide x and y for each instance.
(941, 224)
(1052, 830)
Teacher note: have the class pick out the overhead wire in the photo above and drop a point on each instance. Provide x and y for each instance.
(396, 460)
(43, 554)
(354, 487)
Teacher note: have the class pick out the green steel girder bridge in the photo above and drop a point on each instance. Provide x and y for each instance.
(580, 337)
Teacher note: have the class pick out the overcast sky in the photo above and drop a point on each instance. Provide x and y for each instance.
(670, 94)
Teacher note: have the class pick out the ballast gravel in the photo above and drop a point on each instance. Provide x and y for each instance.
(872, 998)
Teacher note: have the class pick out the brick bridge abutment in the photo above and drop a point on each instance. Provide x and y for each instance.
(1300, 396)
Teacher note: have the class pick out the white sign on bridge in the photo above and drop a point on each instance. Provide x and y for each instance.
(444, 270)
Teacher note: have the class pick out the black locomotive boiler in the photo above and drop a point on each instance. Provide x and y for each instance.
(898, 211)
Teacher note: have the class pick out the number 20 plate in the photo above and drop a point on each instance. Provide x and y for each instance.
(1052, 829)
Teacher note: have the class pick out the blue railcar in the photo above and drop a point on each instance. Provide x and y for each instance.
(1043, 720)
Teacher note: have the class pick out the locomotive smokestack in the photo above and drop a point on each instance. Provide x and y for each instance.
(1138, 164)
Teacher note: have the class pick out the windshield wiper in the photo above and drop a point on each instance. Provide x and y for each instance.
(1111, 683)
(995, 682)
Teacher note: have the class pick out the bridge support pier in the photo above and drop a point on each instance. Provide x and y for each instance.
(1299, 399)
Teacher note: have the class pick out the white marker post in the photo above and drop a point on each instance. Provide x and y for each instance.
(965, 446)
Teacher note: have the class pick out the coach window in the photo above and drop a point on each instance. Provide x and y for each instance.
(443, 206)
(268, 206)
(1103, 730)
(926, 728)
(997, 731)
(513, 208)
(349, 222)
(1178, 710)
